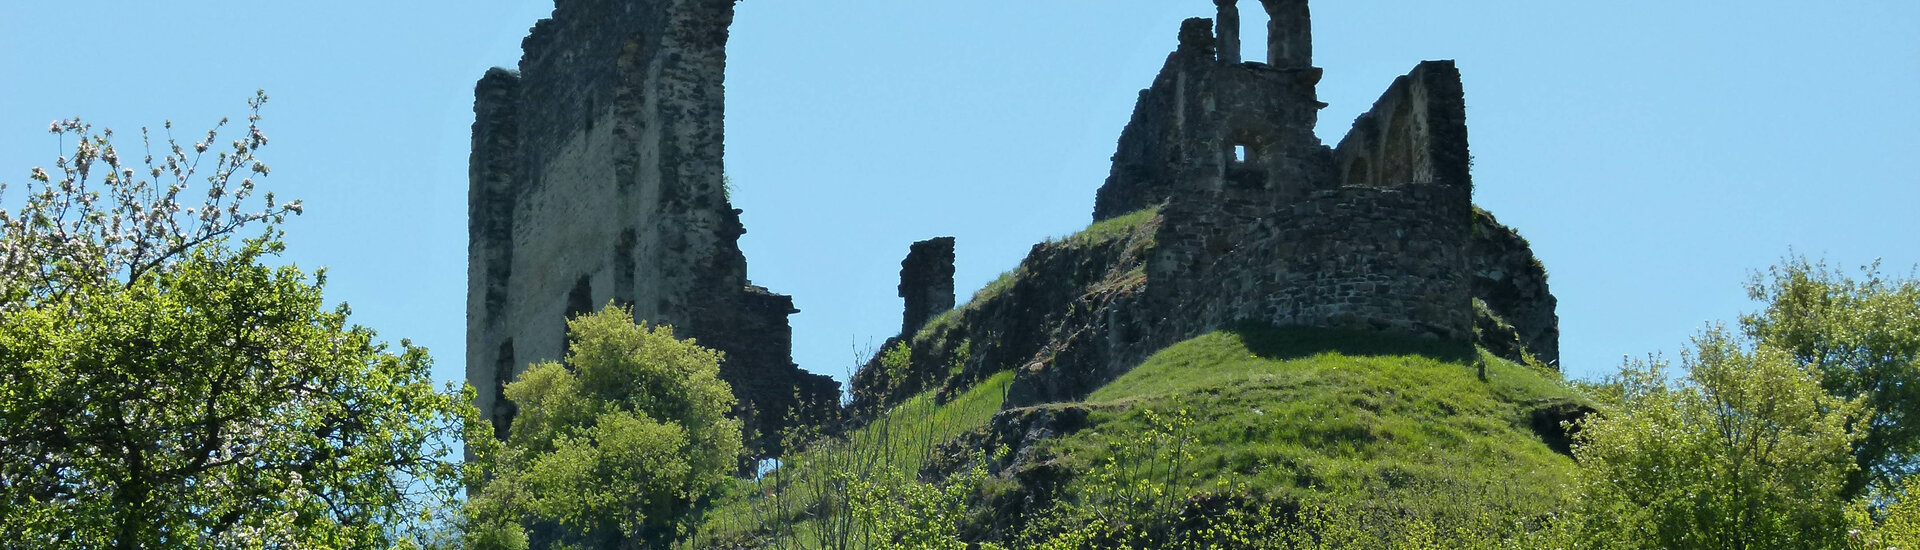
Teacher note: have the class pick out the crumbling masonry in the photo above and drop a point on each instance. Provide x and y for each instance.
(597, 178)
(1253, 219)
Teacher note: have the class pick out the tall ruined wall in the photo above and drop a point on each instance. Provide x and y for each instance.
(926, 282)
(597, 178)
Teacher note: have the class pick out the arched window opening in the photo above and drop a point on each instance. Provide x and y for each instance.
(1357, 171)
(1397, 150)
(1254, 26)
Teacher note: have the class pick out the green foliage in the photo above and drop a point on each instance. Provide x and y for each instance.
(1746, 451)
(215, 402)
(1863, 335)
(100, 218)
(1249, 438)
(164, 388)
(618, 443)
(808, 501)
(1131, 497)
(902, 513)
(1899, 526)
(896, 364)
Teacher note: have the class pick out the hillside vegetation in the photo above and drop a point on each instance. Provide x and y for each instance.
(1264, 437)
(1254, 423)
(1402, 427)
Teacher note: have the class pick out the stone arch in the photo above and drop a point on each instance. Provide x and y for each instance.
(1289, 33)
(1256, 27)
(1397, 149)
(1357, 172)
(1235, 28)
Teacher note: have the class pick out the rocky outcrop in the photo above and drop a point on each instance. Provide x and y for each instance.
(1050, 311)
(1557, 422)
(1512, 284)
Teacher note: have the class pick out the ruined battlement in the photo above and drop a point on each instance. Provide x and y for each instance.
(1263, 222)
(597, 177)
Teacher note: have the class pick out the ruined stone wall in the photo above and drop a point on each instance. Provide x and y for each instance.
(492, 173)
(1348, 258)
(1252, 219)
(1513, 285)
(1153, 152)
(1260, 223)
(926, 282)
(598, 178)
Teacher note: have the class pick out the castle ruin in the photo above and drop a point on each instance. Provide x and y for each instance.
(1240, 214)
(597, 177)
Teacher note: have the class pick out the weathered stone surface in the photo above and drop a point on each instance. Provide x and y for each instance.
(926, 282)
(597, 178)
(1513, 285)
(1046, 316)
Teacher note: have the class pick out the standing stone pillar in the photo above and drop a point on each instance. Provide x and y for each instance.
(1229, 30)
(1289, 34)
(926, 282)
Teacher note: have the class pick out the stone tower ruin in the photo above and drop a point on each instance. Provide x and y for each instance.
(597, 177)
(1265, 223)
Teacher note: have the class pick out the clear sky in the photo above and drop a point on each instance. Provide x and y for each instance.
(1655, 152)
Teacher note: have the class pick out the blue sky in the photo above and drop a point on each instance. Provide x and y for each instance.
(1655, 152)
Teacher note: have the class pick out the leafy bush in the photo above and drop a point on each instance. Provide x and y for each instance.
(615, 445)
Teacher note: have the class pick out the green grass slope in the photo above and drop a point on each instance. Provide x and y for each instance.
(1395, 433)
(803, 501)
(1384, 427)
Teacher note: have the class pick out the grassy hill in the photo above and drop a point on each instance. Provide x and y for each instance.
(1288, 428)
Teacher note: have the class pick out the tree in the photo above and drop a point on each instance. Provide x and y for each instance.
(1746, 452)
(161, 387)
(613, 447)
(1863, 335)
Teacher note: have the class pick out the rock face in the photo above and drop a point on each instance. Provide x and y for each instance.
(1224, 207)
(597, 178)
(1513, 286)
